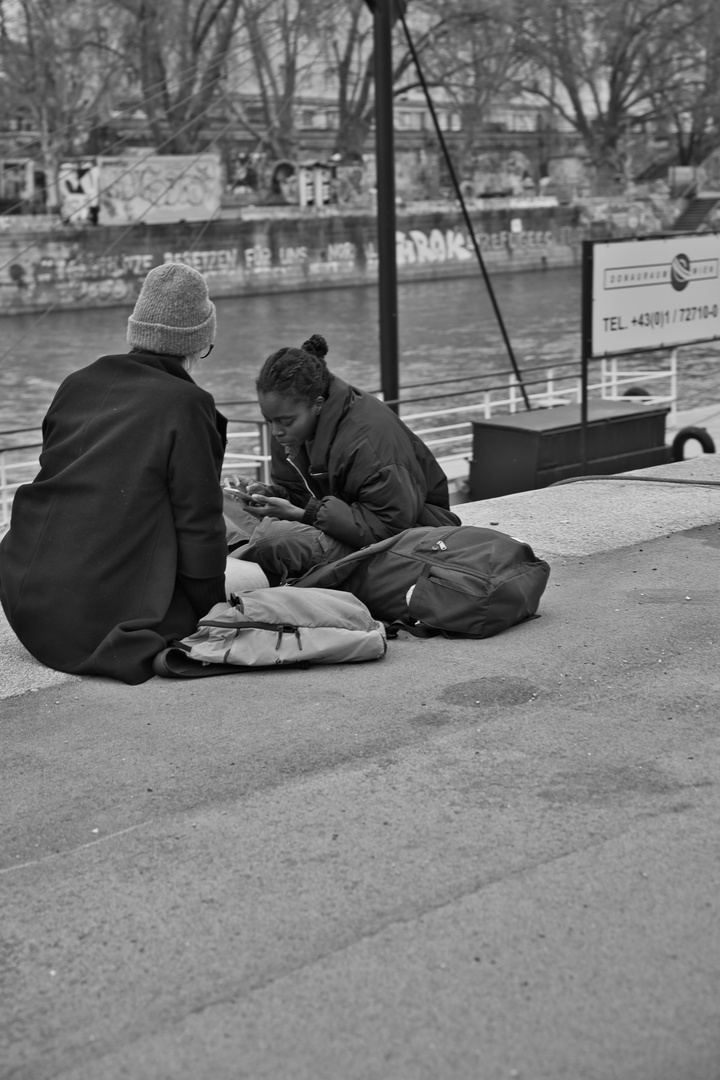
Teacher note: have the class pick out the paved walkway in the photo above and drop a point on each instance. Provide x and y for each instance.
(469, 861)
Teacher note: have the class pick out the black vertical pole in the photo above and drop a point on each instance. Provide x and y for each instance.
(385, 158)
(586, 347)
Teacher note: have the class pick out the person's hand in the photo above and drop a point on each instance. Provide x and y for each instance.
(240, 488)
(236, 487)
(262, 506)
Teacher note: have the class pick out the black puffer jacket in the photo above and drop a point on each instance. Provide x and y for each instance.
(365, 476)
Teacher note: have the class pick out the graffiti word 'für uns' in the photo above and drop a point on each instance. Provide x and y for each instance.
(259, 258)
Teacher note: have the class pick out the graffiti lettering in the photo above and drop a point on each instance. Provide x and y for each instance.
(74, 268)
(327, 268)
(77, 266)
(457, 249)
(257, 258)
(371, 255)
(101, 291)
(66, 267)
(345, 252)
(72, 291)
(138, 264)
(291, 256)
(205, 262)
(419, 247)
(276, 272)
(154, 185)
(504, 241)
(169, 188)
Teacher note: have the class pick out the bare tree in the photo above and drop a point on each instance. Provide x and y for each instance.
(594, 62)
(349, 44)
(685, 83)
(182, 50)
(61, 68)
(468, 55)
(278, 40)
(463, 48)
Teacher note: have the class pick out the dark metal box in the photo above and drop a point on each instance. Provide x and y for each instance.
(532, 449)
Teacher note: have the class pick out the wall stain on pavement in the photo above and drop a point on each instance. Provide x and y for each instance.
(507, 690)
(599, 782)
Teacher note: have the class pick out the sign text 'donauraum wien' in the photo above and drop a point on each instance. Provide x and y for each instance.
(655, 293)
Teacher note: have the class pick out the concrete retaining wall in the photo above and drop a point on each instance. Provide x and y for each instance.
(81, 267)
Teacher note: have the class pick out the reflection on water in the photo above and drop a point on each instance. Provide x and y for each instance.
(446, 329)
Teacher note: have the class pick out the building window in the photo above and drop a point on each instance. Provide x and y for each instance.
(409, 121)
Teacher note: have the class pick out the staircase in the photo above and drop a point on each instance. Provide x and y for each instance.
(696, 211)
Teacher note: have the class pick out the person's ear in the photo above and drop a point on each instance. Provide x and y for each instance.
(319, 402)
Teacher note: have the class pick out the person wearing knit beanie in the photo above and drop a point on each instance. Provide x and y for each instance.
(174, 315)
(119, 545)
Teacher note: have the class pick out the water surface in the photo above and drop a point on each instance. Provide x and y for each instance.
(446, 329)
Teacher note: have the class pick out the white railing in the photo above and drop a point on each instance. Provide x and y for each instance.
(614, 384)
(18, 465)
(447, 429)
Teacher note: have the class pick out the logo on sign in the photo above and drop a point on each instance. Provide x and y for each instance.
(680, 272)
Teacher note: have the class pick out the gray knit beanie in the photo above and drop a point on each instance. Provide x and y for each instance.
(174, 313)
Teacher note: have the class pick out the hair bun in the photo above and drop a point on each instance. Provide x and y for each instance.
(317, 345)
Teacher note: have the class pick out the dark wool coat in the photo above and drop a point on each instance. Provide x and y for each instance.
(366, 475)
(127, 498)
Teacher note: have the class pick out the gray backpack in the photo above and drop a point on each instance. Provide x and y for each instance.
(276, 627)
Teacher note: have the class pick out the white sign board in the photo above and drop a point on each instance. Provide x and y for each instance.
(654, 294)
(159, 188)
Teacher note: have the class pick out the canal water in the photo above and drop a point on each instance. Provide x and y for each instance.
(447, 329)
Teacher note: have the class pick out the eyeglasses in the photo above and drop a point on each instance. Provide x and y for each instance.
(207, 351)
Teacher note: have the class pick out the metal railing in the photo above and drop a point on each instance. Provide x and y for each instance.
(447, 428)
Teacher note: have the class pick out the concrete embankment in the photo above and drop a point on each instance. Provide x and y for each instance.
(73, 267)
(472, 860)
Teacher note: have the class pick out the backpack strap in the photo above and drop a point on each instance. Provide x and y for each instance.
(392, 629)
(420, 630)
(174, 663)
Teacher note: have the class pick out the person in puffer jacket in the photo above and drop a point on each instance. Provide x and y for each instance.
(352, 471)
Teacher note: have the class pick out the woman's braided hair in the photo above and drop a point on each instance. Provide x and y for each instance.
(300, 374)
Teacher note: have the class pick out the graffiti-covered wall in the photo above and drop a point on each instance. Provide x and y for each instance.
(162, 188)
(77, 267)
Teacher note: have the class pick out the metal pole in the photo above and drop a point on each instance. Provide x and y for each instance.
(385, 158)
(586, 348)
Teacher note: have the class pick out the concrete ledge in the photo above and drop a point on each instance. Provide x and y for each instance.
(583, 518)
(591, 516)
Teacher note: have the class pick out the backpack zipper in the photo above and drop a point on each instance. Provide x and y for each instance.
(288, 630)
